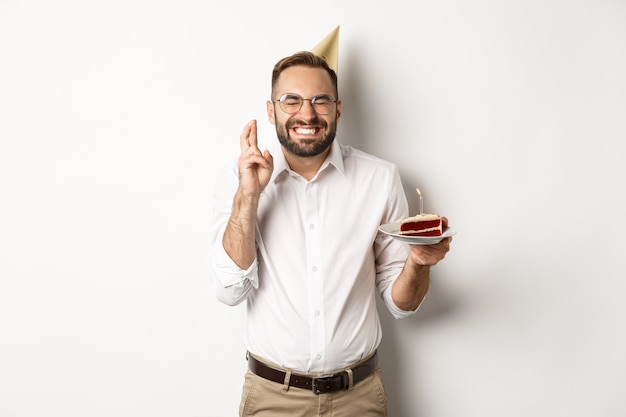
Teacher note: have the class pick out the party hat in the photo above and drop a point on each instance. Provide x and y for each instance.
(328, 49)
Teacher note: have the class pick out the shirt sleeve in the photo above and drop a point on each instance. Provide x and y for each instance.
(391, 254)
(232, 284)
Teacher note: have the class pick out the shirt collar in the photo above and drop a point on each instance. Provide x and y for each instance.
(334, 158)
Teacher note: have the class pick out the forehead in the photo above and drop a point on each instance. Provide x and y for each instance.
(305, 81)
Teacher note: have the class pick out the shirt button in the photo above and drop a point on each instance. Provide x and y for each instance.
(318, 357)
(317, 312)
(311, 226)
(314, 269)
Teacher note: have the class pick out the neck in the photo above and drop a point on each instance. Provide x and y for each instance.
(306, 166)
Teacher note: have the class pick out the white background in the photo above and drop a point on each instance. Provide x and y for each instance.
(115, 116)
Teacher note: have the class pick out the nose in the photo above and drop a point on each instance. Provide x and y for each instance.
(307, 109)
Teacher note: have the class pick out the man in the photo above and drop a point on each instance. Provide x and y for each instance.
(296, 237)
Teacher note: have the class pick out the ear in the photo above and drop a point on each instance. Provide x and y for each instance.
(270, 111)
(338, 110)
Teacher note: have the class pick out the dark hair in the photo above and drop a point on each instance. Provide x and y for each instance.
(308, 59)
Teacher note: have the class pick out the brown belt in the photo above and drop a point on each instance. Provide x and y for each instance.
(321, 384)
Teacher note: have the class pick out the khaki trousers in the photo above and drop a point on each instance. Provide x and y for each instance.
(263, 398)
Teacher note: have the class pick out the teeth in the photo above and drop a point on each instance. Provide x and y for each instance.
(305, 131)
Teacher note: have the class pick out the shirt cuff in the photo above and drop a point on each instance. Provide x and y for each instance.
(396, 311)
(229, 274)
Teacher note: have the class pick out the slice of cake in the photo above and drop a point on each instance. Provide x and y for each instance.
(423, 225)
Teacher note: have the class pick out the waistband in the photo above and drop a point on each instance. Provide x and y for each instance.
(340, 380)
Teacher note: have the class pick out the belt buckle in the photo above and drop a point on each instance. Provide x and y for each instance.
(315, 383)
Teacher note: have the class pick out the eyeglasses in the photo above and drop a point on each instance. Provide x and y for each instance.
(292, 103)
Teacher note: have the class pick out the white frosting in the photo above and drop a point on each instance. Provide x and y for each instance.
(421, 218)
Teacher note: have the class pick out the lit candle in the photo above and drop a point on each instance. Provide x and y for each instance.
(421, 202)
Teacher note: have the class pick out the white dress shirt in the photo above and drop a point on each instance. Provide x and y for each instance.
(311, 299)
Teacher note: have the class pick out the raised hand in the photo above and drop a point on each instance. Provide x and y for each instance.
(255, 167)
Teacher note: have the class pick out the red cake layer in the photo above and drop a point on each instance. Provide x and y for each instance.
(423, 225)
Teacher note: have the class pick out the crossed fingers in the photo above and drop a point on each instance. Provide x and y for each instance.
(248, 143)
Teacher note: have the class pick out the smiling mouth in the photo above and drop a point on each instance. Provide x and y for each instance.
(306, 130)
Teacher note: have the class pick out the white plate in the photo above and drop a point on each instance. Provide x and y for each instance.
(393, 230)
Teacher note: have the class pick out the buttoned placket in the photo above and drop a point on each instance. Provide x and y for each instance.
(315, 268)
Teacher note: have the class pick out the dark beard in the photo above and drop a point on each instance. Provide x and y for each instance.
(306, 151)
